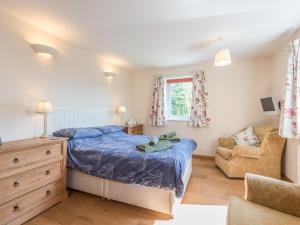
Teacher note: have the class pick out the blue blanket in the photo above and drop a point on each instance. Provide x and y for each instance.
(114, 156)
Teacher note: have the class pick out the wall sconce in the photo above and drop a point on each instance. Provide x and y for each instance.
(44, 50)
(110, 75)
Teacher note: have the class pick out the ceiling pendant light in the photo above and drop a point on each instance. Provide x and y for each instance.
(222, 57)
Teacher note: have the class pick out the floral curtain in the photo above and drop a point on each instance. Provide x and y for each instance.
(290, 111)
(157, 115)
(198, 116)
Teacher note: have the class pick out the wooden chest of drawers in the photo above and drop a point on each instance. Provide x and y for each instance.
(134, 129)
(32, 177)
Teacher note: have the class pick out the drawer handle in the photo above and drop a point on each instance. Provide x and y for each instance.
(16, 160)
(47, 172)
(48, 152)
(48, 193)
(16, 208)
(16, 184)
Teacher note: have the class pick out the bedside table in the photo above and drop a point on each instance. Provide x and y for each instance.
(134, 129)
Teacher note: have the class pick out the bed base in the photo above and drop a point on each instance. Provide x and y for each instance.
(156, 199)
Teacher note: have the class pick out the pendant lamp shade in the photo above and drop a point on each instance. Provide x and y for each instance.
(222, 57)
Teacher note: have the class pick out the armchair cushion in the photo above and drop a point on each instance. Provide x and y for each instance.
(226, 153)
(226, 142)
(246, 137)
(276, 194)
(247, 151)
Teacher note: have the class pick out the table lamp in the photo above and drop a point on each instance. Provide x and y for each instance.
(44, 107)
(122, 110)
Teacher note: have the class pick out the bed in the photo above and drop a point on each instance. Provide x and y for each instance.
(105, 162)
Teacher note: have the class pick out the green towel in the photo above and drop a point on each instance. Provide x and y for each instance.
(172, 139)
(141, 147)
(168, 135)
(160, 146)
(153, 141)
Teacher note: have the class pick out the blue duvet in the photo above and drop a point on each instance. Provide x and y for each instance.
(114, 156)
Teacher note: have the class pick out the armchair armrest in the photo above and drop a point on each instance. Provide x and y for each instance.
(276, 194)
(228, 142)
(247, 151)
(273, 144)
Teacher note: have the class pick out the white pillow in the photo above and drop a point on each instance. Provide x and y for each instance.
(246, 137)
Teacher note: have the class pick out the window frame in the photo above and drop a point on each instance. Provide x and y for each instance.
(168, 104)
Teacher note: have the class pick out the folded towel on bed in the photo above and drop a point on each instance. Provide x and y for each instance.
(159, 146)
(153, 141)
(168, 135)
(172, 137)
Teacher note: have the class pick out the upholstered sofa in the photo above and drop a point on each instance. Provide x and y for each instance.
(267, 202)
(265, 159)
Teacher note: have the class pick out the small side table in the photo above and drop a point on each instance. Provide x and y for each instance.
(134, 129)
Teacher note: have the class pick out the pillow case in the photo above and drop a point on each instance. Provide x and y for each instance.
(246, 137)
(78, 133)
(110, 129)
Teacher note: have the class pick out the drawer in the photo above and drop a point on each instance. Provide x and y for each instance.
(10, 160)
(137, 130)
(17, 185)
(26, 202)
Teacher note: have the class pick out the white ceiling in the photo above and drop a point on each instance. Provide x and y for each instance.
(162, 33)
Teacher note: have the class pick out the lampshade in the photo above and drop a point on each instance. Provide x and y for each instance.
(122, 109)
(44, 107)
(222, 57)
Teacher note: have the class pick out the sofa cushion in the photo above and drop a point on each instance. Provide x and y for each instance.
(226, 153)
(262, 130)
(246, 137)
(242, 212)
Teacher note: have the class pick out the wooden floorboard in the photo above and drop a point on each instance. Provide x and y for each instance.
(208, 189)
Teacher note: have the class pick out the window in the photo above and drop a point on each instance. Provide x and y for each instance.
(178, 98)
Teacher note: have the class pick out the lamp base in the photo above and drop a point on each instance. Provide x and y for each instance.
(45, 133)
(44, 136)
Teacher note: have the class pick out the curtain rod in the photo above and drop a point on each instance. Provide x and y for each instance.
(177, 74)
(180, 74)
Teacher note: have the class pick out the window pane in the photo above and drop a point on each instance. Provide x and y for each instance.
(181, 97)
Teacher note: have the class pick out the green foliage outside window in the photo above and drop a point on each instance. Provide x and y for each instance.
(181, 97)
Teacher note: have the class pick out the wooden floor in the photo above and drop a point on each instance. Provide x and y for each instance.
(208, 189)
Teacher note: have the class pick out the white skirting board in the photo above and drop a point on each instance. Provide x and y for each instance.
(155, 199)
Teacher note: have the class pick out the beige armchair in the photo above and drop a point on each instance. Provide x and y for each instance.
(235, 161)
(267, 202)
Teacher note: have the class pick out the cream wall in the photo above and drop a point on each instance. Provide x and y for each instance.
(74, 80)
(292, 151)
(233, 99)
